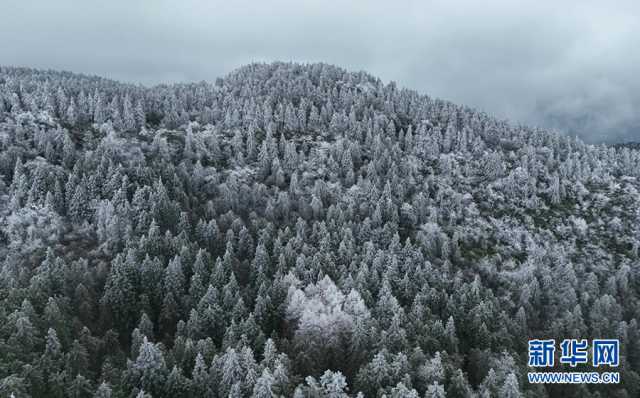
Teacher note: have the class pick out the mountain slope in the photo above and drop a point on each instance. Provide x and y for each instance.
(299, 220)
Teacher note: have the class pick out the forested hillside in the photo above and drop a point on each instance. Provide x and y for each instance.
(632, 145)
(300, 230)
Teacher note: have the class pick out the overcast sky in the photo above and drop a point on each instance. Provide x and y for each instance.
(568, 64)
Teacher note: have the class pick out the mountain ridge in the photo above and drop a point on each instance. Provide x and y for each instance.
(300, 229)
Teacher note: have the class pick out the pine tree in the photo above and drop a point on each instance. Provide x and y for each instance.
(128, 114)
(80, 387)
(71, 114)
(200, 378)
(119, 293)
(510, 387)
(78, 205)
(149, 371)
(435, 391)
(103, 391)
(264, 385)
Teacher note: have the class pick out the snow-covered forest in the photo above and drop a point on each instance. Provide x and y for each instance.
(300, 230)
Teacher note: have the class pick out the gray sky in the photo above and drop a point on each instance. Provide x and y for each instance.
(568, 64)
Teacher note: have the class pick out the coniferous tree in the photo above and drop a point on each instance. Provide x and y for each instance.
(299, 230)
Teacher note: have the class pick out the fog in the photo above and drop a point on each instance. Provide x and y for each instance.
(569, 65)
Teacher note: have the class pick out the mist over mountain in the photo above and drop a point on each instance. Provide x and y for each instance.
(571, 68)
(301, 230)
(609, 123)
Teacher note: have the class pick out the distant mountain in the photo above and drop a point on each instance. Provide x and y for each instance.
(301, 230)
